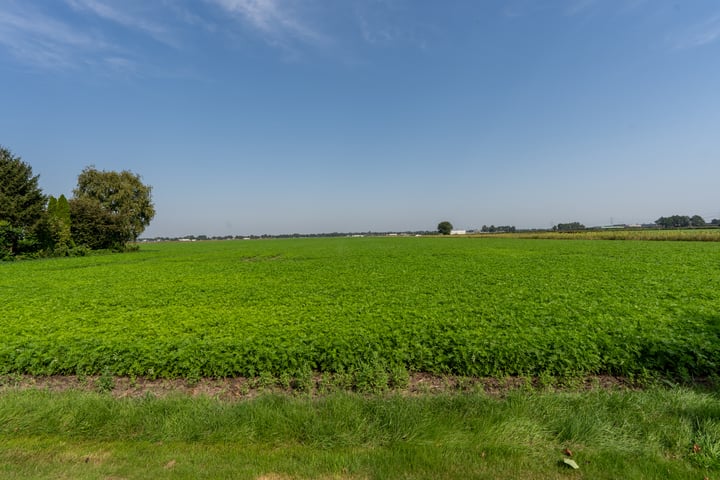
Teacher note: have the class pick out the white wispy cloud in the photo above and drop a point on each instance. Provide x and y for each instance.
(701, 34)
(278, 21)
(376, 34)
(630, 6)
(576, 7)
(124, 18)
(188, 17)
(39, 40)
(385, 23)
(569, 8)
(49, 38)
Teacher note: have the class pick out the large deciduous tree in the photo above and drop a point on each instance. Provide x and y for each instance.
(114, 207)
(674, 221)
(445, 228)
(697, 221)
(22, 203)
(94, 226)
(55, 232)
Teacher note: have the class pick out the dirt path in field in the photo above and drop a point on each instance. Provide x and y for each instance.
(246, 388)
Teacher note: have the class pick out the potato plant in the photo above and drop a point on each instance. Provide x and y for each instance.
(467, 306)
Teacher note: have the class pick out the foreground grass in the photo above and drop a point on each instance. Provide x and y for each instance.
(668, 434)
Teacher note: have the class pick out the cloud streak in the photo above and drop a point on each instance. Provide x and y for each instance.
(702, 34)
(277, 22)
(567, 8)
(69, 38)
(383, 23)
(108, 13)
(75, 34)
(577, 7)
(38, 40)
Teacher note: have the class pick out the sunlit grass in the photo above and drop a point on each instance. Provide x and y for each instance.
(656, 434)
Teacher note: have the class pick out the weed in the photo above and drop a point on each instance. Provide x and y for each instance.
(303, 380)
(398, 377)
(192, 379)
(245, 388)
(266, 380)
(106, 381)
(342, 380)
(284, 380)
(326, 384)
(11, 380)
(463, 383)
(546, 380)
(371, 378)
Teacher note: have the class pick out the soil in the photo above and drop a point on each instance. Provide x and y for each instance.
(246, 388)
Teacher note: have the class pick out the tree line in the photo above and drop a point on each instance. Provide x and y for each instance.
(674, 221)
(498, 229)
(108, 210)
(682, 221)
(568, 227)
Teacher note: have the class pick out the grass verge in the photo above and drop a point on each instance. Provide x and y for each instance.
(657, 433)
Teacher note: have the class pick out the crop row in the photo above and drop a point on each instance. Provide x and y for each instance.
(484, 307)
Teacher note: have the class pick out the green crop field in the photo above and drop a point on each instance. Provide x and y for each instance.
(466, 306)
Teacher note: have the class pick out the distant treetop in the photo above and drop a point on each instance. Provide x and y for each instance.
(445, 227)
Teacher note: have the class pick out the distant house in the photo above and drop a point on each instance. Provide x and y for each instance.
(457, 232)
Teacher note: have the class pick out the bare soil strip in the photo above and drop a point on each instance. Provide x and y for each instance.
(246, 388)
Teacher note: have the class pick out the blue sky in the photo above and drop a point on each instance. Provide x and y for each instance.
(284, 116)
